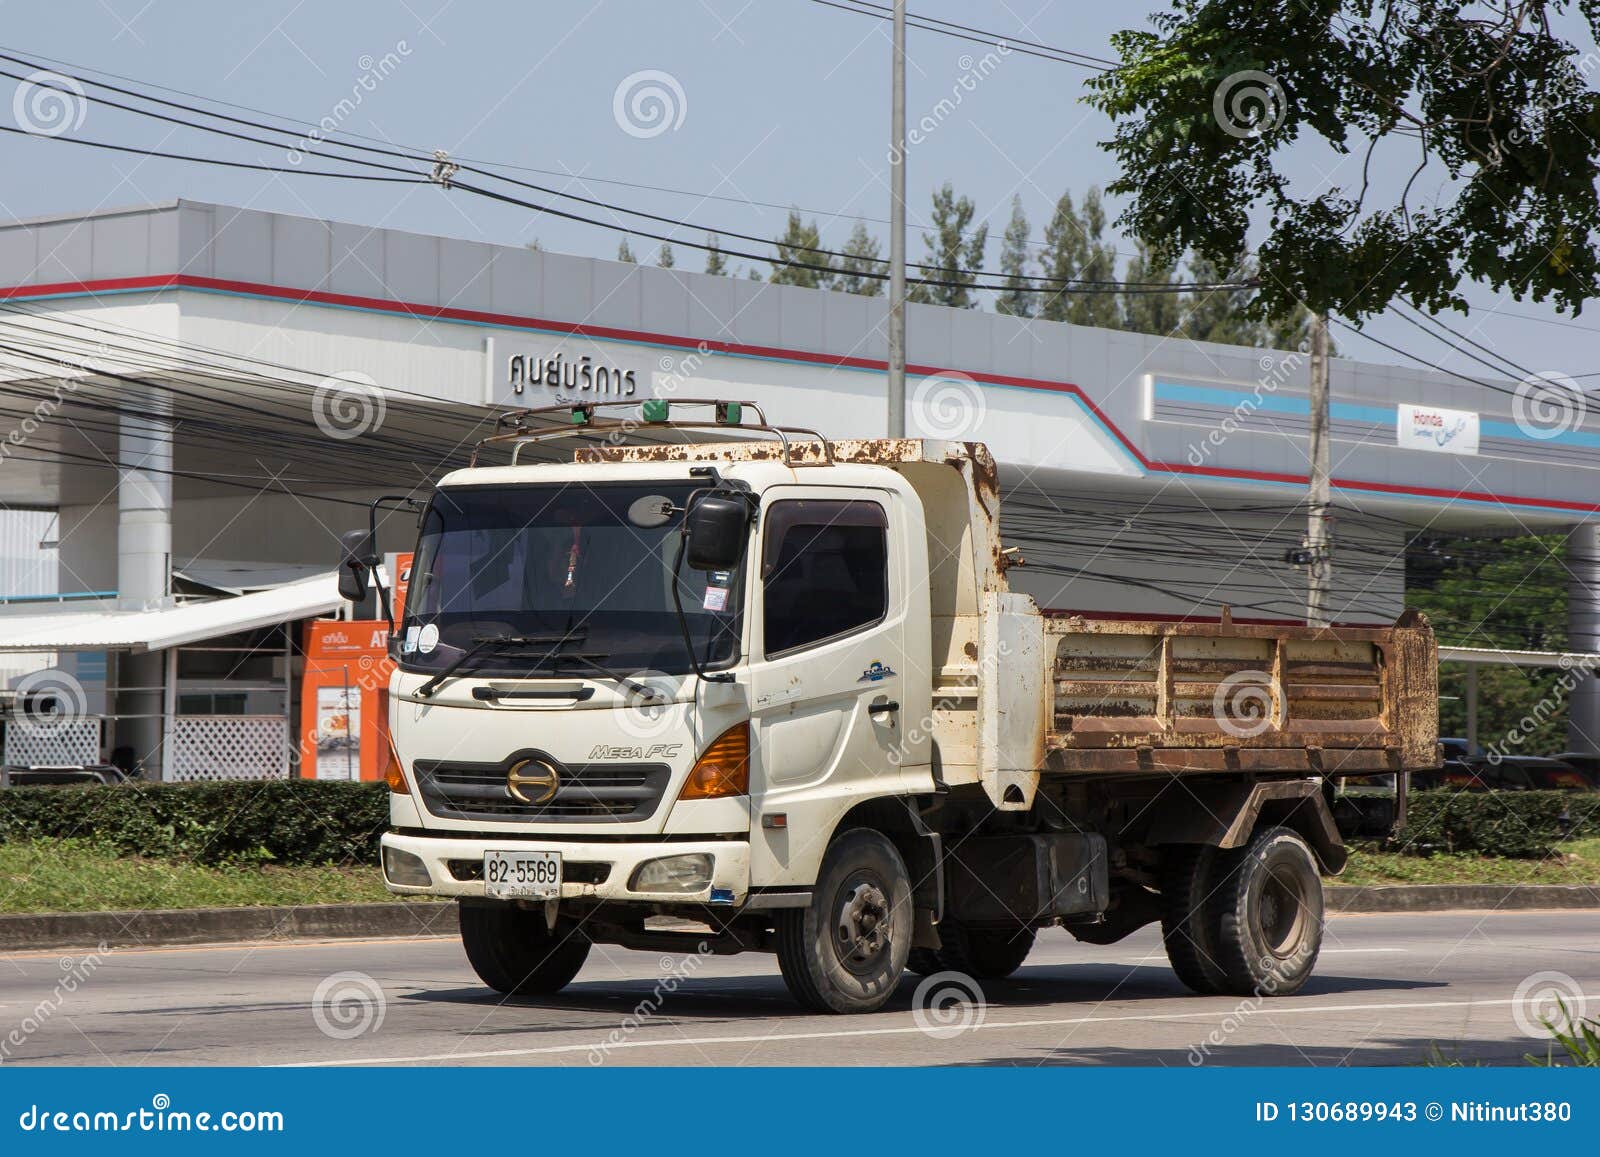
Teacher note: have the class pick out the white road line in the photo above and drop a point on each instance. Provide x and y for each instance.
(1347, 951)
(603, 1046)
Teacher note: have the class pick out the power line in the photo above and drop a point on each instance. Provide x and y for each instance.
(955, 278)
(979, 36)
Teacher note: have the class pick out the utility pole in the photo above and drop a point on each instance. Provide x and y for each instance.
(1319, 535)
(897, 230)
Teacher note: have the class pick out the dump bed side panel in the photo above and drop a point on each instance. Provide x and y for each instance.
(1141, 696)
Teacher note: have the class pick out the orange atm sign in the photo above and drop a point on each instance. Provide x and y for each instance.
(341, 699)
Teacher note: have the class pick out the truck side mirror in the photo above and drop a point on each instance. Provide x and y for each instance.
(717, 526)
(355, 564)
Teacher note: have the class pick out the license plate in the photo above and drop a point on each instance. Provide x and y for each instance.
(522, 875)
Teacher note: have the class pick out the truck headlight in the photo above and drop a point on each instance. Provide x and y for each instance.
(405, 869)
(691, 873)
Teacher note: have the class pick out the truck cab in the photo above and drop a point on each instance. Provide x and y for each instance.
(770, 684)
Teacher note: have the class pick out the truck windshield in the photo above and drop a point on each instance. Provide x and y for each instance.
(587, 563)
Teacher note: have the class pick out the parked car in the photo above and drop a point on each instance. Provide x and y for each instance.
(1456, 775)
(86, 774)
(1456, 748)
(1539, 773)
(1589, 765)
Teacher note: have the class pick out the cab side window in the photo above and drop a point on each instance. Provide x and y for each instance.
(825, 566)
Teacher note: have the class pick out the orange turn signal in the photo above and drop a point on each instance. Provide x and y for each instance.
(388, 758)
(723, 769)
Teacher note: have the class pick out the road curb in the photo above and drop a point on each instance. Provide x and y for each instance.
(140, 929)
(159, 927)
(1448, 897)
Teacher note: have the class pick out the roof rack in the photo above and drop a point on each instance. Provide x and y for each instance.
(579, 419)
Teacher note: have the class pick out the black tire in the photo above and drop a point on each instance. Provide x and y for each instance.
(846, 950)
(1187, 878)
(1267, 911)
(984, 953)
(513, 950)
(924, 961)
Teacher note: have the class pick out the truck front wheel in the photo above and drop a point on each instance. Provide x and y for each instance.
(846, 950)
(513, 950)
(1266, 909)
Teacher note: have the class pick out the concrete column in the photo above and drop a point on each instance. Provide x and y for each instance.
(144, 563)
(1583, 634)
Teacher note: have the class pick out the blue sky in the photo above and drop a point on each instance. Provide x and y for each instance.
(782, 102)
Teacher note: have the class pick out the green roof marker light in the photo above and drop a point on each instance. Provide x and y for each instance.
(655, 410)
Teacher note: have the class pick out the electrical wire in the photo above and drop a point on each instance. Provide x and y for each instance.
(955, 278)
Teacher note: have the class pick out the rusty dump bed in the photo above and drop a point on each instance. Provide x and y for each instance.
(1141, 697)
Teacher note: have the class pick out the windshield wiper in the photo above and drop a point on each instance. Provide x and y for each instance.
(494, 643)
(649, 696)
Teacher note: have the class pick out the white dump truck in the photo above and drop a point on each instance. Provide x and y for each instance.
(717, 670)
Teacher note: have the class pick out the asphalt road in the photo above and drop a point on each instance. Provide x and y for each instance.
(1389, 988)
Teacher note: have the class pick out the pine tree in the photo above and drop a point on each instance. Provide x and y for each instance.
(716, 259)
(796, 251)
(1015, 299)
(626, 254)
(952, 255)
(1219, 314)
(860, 259)
(665, 259)
(1097, 261)
(1151, 312)
(1063, 248)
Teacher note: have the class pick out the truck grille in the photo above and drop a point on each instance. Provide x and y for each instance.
(586, 792)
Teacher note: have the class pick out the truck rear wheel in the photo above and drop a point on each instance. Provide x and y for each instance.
(513, 950)
(846, 950)
(1187, 878)
(1267, 910)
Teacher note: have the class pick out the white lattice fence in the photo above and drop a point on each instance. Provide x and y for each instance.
(69, 742)
(226, 747)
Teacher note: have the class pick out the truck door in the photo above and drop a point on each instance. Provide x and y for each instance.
(835, 712)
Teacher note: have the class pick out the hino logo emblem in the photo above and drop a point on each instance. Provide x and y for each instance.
(538, 776)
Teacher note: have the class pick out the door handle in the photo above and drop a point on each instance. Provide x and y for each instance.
(887, 708)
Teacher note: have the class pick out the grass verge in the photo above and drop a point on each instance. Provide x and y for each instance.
(78, 876)
(1578, 864)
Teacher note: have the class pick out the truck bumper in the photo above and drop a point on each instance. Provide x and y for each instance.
(590, 870)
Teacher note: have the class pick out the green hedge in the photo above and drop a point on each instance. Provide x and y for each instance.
(295, 821)
(1515, 824)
